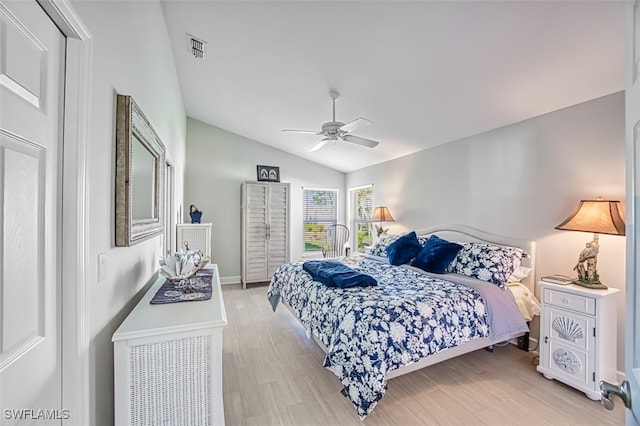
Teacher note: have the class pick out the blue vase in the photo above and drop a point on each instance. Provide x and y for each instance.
(196, 216)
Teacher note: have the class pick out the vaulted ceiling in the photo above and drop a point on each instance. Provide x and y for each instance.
(424, 72)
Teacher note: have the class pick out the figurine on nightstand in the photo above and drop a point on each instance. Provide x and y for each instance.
(587, 267)
(196, 215)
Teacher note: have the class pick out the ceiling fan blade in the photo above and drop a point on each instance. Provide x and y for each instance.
(319, 145)
(308, 132)
(355, 124)
(360, 141)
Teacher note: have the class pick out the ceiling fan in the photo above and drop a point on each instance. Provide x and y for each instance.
(334, 130)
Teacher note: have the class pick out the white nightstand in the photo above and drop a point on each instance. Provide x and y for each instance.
(578, 336)
(197, 235)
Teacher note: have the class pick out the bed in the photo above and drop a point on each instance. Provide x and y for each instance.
(412, 318)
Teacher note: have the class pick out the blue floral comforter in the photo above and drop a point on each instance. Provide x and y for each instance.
(371, 331)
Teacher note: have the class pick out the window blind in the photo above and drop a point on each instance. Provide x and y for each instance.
(320, 209)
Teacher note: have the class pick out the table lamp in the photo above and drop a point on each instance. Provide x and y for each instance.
(600, 217)
(381, 214)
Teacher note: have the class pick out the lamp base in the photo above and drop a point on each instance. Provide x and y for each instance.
(380, 229)
(592, 285)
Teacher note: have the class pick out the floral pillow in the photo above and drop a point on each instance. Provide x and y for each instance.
(381, 244)
(487, 262)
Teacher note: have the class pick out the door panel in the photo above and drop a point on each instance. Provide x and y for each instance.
(278, 224)
(255, 240)
(22, 315)
(21, 54)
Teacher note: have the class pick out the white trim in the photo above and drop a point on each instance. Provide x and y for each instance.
(234, 279)
(355, 188)
(319, 188)
(65, 17)
(19, 90)
(75, 321)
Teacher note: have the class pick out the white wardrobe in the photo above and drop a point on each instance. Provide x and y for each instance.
(265, 229)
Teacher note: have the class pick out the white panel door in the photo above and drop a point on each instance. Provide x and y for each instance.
(31, 98)
(632, 106)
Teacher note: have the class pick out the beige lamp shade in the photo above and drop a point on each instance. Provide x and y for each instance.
(381, 214)
(597, 216)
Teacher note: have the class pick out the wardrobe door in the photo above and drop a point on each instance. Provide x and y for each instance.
(278, 227)
(255, 232)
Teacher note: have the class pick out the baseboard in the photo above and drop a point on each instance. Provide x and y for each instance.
(230, 280)
(620, 376)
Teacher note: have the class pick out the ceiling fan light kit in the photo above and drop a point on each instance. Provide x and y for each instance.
(334, 130)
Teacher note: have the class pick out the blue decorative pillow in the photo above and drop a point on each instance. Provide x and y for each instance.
(436, 255)
(403, 249)
(381, 244)
(487, 262)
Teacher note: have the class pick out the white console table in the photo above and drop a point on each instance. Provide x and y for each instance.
(168, 361)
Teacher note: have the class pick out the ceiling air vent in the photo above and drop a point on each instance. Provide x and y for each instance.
(196, 46)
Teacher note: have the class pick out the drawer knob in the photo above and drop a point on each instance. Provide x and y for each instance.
(565, 300)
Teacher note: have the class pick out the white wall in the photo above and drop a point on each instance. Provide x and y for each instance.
(218, 161)
(521, 180)
(131, 56)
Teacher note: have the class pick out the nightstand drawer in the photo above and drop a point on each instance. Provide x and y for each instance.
(570, 301)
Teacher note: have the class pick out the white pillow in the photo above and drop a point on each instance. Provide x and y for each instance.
(518, 274)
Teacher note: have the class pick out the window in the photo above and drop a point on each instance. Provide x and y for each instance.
(319, 211)
(360, 213)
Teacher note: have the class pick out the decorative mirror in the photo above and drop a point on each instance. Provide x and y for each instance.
(139, 176)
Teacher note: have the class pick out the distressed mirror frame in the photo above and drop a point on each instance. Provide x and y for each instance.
(131, 123)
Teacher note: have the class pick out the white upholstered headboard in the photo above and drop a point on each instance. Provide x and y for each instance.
(468, 233)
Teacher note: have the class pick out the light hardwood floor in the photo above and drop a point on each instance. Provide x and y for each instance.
(273, 375)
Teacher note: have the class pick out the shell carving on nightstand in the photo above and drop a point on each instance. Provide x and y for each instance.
(567, 328)
(567, 361)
